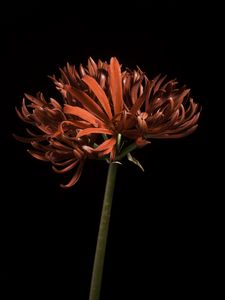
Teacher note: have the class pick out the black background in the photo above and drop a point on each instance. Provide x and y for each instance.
(161, 233)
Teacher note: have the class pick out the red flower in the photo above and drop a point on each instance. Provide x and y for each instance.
(101, 103)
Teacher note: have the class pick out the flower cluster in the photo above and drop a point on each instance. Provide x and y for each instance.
(99, 103)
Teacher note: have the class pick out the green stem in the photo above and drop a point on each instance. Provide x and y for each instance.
(127, 150)
(96, 279)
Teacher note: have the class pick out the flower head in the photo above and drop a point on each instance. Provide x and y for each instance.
(100, 103)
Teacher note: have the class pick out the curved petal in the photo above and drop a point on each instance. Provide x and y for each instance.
(75, 177)
(35, 100)
(137, 105)
(88, 131)
(67, 168)
(38, 155)
(108, 144)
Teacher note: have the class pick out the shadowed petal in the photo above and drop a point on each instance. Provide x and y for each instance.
(35, 100)
(181, 97)
(38, 155)
(158, 84)
(75, 177)
(67, 168)
(137, 105)
(178, 135)
(30, 139)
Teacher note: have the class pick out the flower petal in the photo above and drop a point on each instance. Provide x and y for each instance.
(137, 105)
(115, 83)
(87, 102)
(92, 67)
(99, 93)
(177, 135)
(82, 113)
(158, 84)
(75, 177)
(38, 155)
(108, 144)
(30, 139)
(38, 102)
(67, 168)
(88, 131)
(181, 97)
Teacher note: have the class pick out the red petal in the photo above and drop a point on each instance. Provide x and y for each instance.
(37, 155)
(177, 135)
(158, 84)
(99, 93)
(36, 138)
(92, 67)
(115, 83)
(87, 102)
(75, 177)
(34, 100)
(88, 131)
(68, 168)
(180, 98)
(83, 114)
(108, 144)
(137, 105)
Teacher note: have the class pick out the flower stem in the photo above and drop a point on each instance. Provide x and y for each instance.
(127, 150)
(97, 272)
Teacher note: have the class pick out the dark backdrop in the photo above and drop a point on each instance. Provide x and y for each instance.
(161, 226)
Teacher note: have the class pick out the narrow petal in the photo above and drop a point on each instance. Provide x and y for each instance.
(30, 139)
(134, 91)
(55, 104)
(158, 84)
(92, 67)
(87, 102)
(83, 114)
(56, 144)
(40, 147)
(181, 97)
(115, 83)
(62, 164)
(88, 131)
(177, 135)
(67, 168)
(24, 109)
(75, 123)
(34, 100)
(22, 117)
(75, 177)
(38, 155)
(147, 102)
(137, 105)
(99, 93)
(108, 144)
(82, 70)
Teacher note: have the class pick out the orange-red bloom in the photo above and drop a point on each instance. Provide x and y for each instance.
(99, 103)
